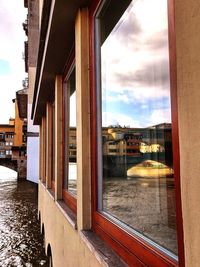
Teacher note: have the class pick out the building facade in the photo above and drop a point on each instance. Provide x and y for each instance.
(31, 28)
(6, 140)
(112, 195)
(13, 138)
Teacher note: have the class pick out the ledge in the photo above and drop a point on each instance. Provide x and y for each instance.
(103, 253)
(68, 214)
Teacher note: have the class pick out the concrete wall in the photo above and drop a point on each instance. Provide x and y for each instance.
(187, 21)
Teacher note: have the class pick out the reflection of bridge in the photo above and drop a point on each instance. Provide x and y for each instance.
(117, 166)
(16, 165)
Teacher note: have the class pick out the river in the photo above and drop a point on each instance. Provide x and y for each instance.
(21, 243)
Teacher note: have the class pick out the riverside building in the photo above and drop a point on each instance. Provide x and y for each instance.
(116, 99)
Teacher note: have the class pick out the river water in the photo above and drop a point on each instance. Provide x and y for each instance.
(21, 243)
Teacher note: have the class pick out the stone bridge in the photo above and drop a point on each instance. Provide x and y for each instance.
(16, 165)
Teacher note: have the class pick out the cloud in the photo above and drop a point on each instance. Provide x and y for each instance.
(160, 116)
(135, 59)
(109, 118)
(12, 15)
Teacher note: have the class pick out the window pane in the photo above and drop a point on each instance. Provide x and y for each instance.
(70, 129)
(53, 143)
(136, 144)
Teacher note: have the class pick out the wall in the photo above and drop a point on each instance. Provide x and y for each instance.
(187, 18)
(33, 159)
(18, 127)
(64, 239)
(32, 131)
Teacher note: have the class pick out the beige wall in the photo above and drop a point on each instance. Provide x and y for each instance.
(187, 21)
(40, 11)
(66, 244)
(31, 77)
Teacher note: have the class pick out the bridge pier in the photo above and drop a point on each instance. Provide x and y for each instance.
(21, 169)
(18, 165)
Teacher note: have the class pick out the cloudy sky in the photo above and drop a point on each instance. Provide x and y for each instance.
(135, 67)
(12, 37)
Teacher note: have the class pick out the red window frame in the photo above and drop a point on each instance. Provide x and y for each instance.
(132, 249)
(68, 198)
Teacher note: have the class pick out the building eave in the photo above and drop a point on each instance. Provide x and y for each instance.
(56, 40)
(22, 99)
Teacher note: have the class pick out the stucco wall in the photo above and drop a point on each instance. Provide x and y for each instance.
(68, 249)
(31, 76)
(33, 159)
(187, 21)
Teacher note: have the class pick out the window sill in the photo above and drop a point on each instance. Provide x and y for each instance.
(69, 215)
(103, 253)
(51, 193)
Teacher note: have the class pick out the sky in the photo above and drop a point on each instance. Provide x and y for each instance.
(12, 37)
(135, 67)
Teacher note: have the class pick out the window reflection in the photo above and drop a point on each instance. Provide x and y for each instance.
(137, 163)
(70, 129)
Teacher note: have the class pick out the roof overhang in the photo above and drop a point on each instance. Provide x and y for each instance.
(22, 99)
(56, 40)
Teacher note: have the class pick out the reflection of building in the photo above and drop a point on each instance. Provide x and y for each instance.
(133, 141)
(129, 141)
(72, 144)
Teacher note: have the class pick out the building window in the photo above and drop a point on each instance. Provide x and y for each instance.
(136, 190)
(70, 158)
(53, 149)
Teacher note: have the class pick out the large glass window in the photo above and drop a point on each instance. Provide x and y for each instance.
(70, 163)
(135, 164)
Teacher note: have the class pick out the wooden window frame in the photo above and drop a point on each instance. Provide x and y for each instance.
(50, 183)
(132, 249)
(68, 198)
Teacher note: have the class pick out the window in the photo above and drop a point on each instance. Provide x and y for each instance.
(70, 157)
(135, 196)
(53, 148)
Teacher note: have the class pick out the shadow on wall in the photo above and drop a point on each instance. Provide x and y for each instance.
(49, 254)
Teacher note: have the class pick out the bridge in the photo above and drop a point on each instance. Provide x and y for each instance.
(16, 165)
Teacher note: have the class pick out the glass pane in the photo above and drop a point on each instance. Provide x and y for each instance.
(138, 177)
(53, 142)
(70, 114)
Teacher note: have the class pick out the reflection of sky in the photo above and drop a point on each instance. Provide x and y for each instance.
(135, 71)
(72, 118)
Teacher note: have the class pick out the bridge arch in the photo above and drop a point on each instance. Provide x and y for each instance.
(11, 164)
(6, 172)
